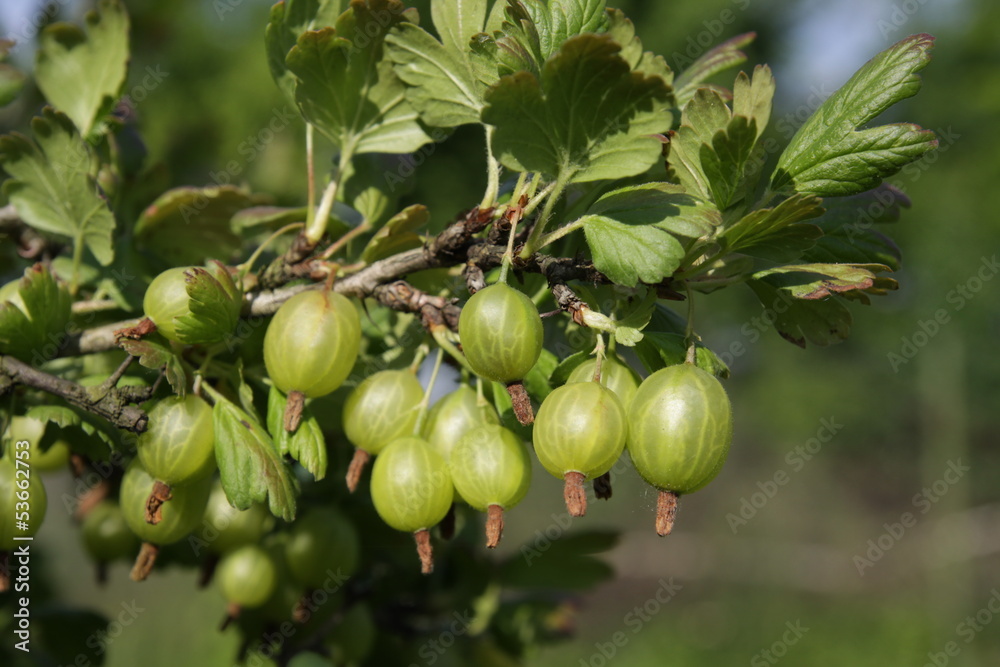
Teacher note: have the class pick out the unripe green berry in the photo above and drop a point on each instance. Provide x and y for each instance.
(106, 536)
(180, 515)
(178, 446)
(410, 486)
(616, 375)
(490, 466)
(176, 315)
(247, 576)
(501, 333)
(381, 409)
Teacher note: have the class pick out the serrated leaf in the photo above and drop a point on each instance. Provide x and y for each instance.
(81, 72)
(155, 352)
(250, 467)
(848, 233)
(11, 79)
(659, 349)
(629, 254)
(665, 205)
(628, 328)
(190, 225)
(398, 234)
(288, 20)
(35, 317)
(566, 563)
(537, 379)
(718, 59)
(348, 90)
(446, 80)
(820, 322)
(214, 304)
(830, 156)
(586, 116)
(307, 445)
(725, 159)
(752, 97)
(776, 233)
(819, 281)
(50, 185)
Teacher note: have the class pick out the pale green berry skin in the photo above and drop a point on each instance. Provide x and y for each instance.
(381, 409)
(580, 427)
(28, 428)
(106, 536)
(681, 427)
(167, 299)
(247, 576)
(411, 488)
(312, 343)
(615, 375)
(490, 466)
(321, 544)
(178, 446)
(226, 528)
(501, 333)
(181, 514)
(37, 501)
(453, 416)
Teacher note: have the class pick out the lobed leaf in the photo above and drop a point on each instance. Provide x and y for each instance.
(831, 156)
(34, 315)
(50, 185)
(154, 351)
(718, 59)
(81, 72)
(776, 233)
(307, 445)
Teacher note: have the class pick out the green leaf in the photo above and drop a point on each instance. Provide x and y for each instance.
(537, 380)
(664, 205)
(830, 156)
(658, 350)
(777, 233)
(288, 20)
(398, 234)
(446, 80)
(348, 90)
(50, 186)
(371, 185)
(579, 120)
(11, 78)
(34, 315)
(566, 367)
(628, 329)
(81, 72)
(819, 281)
(629, 254)
(752, 97)
(189, 225)
(565, 563)
(155, 352)
(250, 466)
(722, 57)
(848, 233)
(306, 445)
(820, 322)
(725, 159)
(65, 417)
(533, 31)
(214, 302)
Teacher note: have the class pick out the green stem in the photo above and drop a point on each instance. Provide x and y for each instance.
(441, 338)
(74, 284)
(689, 329)
(536, 200)
(316, 228)
(245, 267)
(492, 173)
(557, 234)
(426, 400)
(532, 244)
(310, 176)
(600, 358)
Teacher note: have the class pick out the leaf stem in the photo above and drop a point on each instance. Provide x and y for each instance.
(492, 172)
(426, 400)
(74, 284)
(557, 234)
(245, 267)
(531, 246)
(316, 227)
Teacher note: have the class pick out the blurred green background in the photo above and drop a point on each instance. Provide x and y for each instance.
(793, 555)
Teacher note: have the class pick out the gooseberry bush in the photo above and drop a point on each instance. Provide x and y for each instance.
(234, 392)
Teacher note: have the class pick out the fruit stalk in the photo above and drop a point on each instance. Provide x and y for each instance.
(144, 562)
(575, 494)
(666, 511)
(522, 402)
(494, 525)
(293, 410)
(357, 466)
(424, 550)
